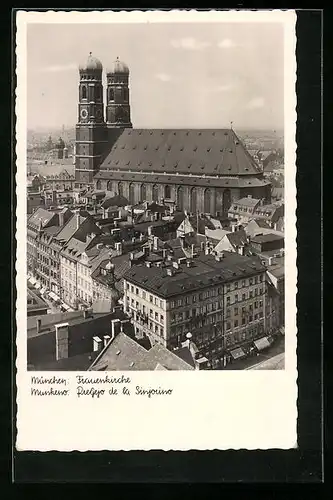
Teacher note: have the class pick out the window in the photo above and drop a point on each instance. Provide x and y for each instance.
(162, 331)
(156, 316)
(150, 298)
(132, 288)
(236, 297)
(251, 281)
(236, 285)
(236, 323)
(156, 302)
(255, 280)
(256, 305)
(143, 295)
(250, 318)
(243, 321)
(261, 278)
(228, 325)
(243, 283)
(228, 299)
(161, 317)
(251, 294)
(151, 313)
(243, 296)
(236, 310)
(137, 291)
(228, 288)
(260, 303)
(228, 313)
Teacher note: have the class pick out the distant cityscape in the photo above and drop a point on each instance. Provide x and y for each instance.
(152, 249)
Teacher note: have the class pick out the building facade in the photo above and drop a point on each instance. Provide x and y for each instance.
(221, 301)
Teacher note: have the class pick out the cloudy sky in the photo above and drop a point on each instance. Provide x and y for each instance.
(181, 75)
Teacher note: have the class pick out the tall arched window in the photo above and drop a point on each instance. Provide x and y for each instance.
(167, 192)
(111, 94)
(193, 200)
(143, 193)
(98, 184)
(120, 188)
(84, 92)
(131, 193)
(207, 198)
(155, 192)
(109, 186)
(180, 198)
(226, 201)
(219, 201)
(98, 93)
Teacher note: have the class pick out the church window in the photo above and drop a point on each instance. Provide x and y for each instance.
(120, 188)
(131, 193)
(108, 186)
(180, 198)
(155, 192)
(193, 200)
(84, 92)
(98, 184)
(207, 198)
(167, 192)
(143, 194)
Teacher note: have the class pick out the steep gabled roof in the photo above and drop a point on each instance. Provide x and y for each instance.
(189, 151)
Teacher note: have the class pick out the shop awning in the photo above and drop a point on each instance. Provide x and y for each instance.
(32, 280)
(53, 296)
(43, 290)
(37, 285)
(65, 306)
(237, 353)
(262, 343)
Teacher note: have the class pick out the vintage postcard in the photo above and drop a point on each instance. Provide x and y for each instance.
(156, 230)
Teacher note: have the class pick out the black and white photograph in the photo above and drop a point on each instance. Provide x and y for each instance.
(157, 166)
(155, 197)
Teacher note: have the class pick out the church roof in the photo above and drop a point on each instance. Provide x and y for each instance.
(216, 152)
(118, 68)
(92, 64)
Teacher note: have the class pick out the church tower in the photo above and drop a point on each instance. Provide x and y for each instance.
(91, 131)
(118, 113)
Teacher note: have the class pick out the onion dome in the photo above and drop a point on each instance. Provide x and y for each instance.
(92, 64)
(60, 144)
(118, 68)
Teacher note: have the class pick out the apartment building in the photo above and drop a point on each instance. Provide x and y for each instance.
(219, 299)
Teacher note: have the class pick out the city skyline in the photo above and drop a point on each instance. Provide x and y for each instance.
(181, 76)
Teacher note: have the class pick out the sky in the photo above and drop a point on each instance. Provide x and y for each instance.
(193, 75)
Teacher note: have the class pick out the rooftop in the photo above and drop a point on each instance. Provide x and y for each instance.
(188, 151)
(124, 353)
(265, 238)
(205, 271)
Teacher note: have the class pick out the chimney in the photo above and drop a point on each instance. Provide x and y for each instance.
(97, 344)
(142, 236)
(106, 340)
(119, 248)
(164, 253)
(182, 240)
(54, 197)
(62, 334)
(145, 250)
(155, 243)
(187, 343)
(150, 230)
(77, 220)
(169, 271)
(192, 250)
(61, 219)
(132, 256)
(39, 325)
(241, 250)
(202, 246)
(270, 261)
(249, 195)
(115, 327)
(86, 313)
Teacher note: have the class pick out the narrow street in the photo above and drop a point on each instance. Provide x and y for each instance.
(246, 363)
